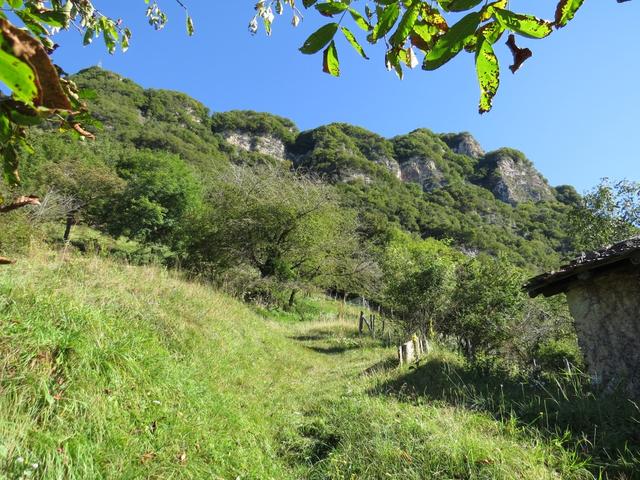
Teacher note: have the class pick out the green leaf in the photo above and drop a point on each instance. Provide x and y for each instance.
(566, 10)
(458, 5)
(10, 165)
(88, 94)
(330, 63)
(125, 39)
(52, 18)
(308, 3)
(331, 8)
(422, 36)
(31, 22)
(488, 71)
(406, 24)
(491, 31)
(386, 20)
(5, 128)
(450, 44)
(526, 25)
(15, 3)
(18, 76)
(359, 19)
(319, 39)
(24, 119)
(190, 28)
(354, 42)
(88, 36)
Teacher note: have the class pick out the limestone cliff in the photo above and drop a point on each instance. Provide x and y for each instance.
(422, 171)
(512, 178)
(265, 144)
(464, 143)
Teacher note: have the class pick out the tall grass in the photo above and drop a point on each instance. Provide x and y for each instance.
(113, 371)
(600, 428)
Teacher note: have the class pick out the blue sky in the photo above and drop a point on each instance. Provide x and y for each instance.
(573, 108)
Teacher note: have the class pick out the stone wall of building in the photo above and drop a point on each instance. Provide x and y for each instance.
(606, 309)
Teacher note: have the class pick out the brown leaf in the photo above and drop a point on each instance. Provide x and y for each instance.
(147, 457)
(31, 51)
(182, 457)
(520, 55)
(78, 128)
(20, 202)
(406, 456)
(6, 261)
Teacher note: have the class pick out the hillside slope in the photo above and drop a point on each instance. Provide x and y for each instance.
(435, 185)
(112, 371)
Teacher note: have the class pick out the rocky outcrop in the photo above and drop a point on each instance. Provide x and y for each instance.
(512, 178)
(265, 144)
(464, 144)
(422, 171)
(392, 165)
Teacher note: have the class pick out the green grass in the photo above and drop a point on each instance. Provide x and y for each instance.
(114, 371)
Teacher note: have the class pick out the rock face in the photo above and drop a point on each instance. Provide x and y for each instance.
(422, 171)
(512, 178)
(265, 144)
(607, 314)
(464, 144)
(392, 165)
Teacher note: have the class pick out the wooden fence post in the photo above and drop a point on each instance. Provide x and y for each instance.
(372, 319)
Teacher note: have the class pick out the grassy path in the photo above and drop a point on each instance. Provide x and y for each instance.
(110, 371)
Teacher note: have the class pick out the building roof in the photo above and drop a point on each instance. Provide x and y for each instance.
(554, 282)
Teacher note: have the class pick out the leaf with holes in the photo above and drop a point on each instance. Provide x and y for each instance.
(488, 71)
(525, 25)
(18, 76)
(566, 10)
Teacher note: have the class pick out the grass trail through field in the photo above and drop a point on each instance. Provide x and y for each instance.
(113, 371)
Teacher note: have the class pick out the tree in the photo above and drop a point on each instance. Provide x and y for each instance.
(288, 227)
(420, 279)
(160, 191)
(607, 214)
(487, 300)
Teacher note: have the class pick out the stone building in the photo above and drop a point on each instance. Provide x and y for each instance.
(603, 292)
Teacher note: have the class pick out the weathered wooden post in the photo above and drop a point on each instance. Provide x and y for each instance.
(361, 323)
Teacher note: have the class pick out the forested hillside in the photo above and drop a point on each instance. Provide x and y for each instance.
(442, 186)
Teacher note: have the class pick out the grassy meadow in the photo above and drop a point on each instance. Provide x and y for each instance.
(114, 371)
